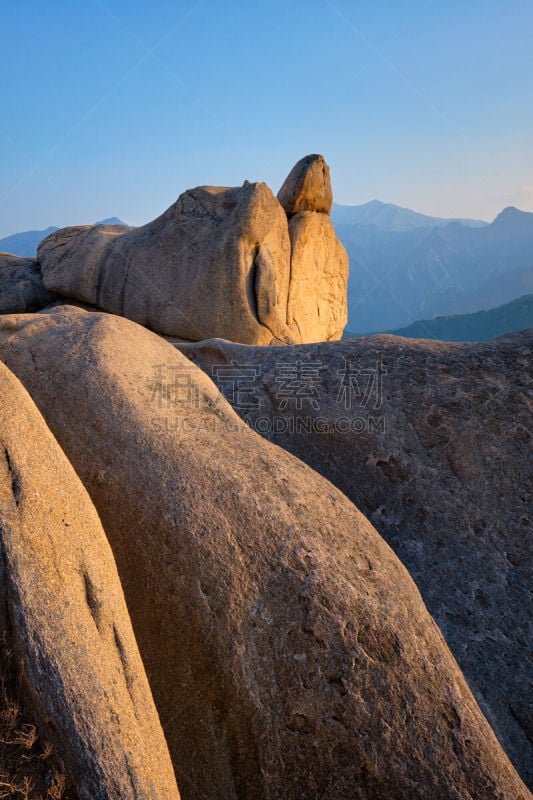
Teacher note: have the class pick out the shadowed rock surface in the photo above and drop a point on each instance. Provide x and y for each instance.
(440, 459)
(21, 285)
(64, 615)
(289, 651)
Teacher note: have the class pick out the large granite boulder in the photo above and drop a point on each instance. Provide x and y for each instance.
(289, 652)
(62, 612)
(433, 442)
(216, 263)
(21, 285)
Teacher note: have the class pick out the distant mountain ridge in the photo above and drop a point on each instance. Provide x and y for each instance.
(111, 221)
(397, 277)
(479, 327)
(390, 217)
(25, 244)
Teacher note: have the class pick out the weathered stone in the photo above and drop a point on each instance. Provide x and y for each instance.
(21, 285)
(317, 309)
(307, 187)
(63, 612)
(289, 651)
(441, 461)
(216, 263)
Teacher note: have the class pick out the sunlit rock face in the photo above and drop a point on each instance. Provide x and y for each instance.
(316, 309)
(220, 262)
(319, 271)
(64, 617)
(307, 187)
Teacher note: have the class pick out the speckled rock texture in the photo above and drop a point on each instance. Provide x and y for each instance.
(21, 285)
(289, 652)
(433, 442)
(63, 613)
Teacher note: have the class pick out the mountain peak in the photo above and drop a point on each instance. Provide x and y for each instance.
(111, 221)
(509, 211)
(513, 216)
(390, 217)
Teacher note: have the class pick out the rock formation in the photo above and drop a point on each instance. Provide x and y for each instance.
(307, 187)
(288, 650)
(317, 307)
(433, 442)
(21, 285)
(319, 274)
(216, 263)
(64, 615)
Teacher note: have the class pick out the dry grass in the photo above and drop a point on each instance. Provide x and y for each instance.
(28, 769)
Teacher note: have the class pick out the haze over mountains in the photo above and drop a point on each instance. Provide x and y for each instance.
(406, 266)
(389, 217)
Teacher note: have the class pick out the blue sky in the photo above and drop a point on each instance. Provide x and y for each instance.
(114, 107)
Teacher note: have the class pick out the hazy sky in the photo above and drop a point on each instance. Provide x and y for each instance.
(114, 107)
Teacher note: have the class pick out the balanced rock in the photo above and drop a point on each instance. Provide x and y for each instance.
(433, 442)
(63, 613)
(216, 263)
(307, 187)
(317, 307)
(289, 652)
(21, 285)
